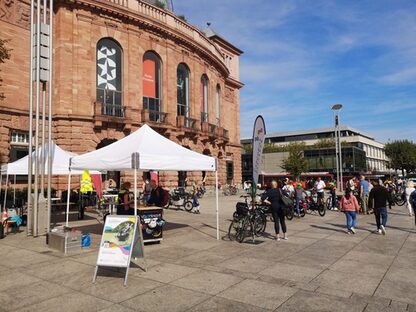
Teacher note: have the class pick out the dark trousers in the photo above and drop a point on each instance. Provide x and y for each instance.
(279, 216)
(381, 216)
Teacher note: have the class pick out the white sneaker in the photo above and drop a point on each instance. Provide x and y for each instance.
(353, 230)
(383, 230)
(284, 237)
(335, 209)
(379, 231)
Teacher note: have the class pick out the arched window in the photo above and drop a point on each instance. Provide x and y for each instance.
(204, 97)
(182, 90)
(218, 105)
(109, 77)
(152, 85)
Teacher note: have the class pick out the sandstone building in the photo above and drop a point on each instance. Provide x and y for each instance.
(117, 65)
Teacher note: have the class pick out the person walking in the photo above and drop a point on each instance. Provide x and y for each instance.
(377, 200)
(349, 205)
(273, 197)
(410, 187)
(364, 185)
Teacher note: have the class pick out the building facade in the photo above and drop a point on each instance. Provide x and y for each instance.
(119, 64)
(360, 152)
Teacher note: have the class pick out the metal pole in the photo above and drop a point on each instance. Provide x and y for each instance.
(336, 151)
(50, 114)
(35, 206)
(1, 182)
(216, 203)
(340, 154)
(42, 155)
(14, 191)
(135, 193)
(5, 194)
(29, 174)
(67, 199)
(42, 151)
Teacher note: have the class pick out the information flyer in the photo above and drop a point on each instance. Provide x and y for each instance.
(117, 241)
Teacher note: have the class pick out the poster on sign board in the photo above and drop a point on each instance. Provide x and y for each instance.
(117, 241)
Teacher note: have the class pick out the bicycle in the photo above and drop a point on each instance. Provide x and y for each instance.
(228, 190)
(247, 221)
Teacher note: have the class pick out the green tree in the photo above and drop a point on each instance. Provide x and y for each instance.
(402, 155)
(4, 55)
(296, 163)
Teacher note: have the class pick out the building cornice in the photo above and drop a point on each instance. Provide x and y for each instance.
(160, 23)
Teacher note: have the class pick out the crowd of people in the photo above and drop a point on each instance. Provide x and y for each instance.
(361, 196)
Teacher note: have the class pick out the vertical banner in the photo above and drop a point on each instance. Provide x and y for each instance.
(149, 78)
(259, 134)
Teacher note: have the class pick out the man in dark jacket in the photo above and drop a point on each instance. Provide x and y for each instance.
(156, 195)
(377, 200)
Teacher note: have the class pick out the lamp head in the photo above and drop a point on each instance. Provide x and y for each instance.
(336, 107)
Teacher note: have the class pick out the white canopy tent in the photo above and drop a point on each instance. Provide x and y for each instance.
(145, 149)
(60, 161)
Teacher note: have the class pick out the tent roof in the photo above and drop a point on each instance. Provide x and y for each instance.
(155, 153)
(60, 161)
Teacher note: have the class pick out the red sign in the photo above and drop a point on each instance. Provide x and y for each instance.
(149, 78)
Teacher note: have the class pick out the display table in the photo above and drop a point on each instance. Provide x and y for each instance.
(151, 223)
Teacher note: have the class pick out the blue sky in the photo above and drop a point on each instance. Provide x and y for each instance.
(300, 57)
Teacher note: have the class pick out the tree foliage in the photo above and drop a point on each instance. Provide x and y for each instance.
(296, 163)
(402, 155)
(4, 55)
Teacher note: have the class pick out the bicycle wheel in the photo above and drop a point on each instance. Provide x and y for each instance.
(329, 203)
(188, 205)
(260, 224)
(399, 200)
(241, 233)
(232, 231)
(289, 213)
(321, 210)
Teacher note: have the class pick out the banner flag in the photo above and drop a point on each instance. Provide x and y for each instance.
(259, 134)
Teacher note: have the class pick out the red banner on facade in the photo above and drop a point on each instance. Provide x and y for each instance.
(149, 78)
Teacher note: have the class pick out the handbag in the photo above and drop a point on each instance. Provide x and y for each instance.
(287, 201)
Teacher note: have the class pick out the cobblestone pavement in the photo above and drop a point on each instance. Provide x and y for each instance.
(320, 268)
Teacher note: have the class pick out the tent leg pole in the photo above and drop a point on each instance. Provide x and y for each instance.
(67, 199)
(1, 184)
(5, 193)
(135, 192)
(14, 191)
(216, 205)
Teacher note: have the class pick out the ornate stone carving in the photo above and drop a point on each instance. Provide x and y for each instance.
(229, 94)
(15, 12)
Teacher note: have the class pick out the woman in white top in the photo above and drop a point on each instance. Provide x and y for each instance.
(410, 187)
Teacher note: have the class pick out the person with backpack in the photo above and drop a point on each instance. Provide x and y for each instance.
(349, 205)
(124, 200)
(158, 196)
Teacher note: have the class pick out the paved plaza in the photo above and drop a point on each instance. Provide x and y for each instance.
(320, 268)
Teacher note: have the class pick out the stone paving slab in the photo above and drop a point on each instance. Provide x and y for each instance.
(166, 298)
(320, 268)
(318, 302)
(207, 282)
(258, 293)
(216, 304)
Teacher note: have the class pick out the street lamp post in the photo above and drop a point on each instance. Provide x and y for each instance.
(338, 152)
